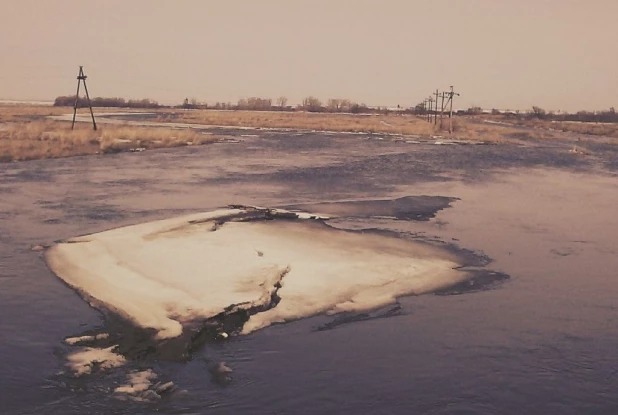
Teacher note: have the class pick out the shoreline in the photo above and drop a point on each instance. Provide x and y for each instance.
(30, 132)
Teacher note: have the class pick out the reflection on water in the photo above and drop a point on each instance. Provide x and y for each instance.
(542, 343)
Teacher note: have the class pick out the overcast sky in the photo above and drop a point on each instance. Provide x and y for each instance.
(558, 54)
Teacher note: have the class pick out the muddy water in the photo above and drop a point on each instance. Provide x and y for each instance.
(543, 342)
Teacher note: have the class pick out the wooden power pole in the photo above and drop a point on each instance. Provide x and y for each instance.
(81, 77)
(442, 96)
(451, 93)
(435, 114)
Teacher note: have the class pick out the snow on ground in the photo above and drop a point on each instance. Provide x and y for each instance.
(165, 273)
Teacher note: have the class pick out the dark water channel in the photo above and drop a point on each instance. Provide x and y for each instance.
(543, 342)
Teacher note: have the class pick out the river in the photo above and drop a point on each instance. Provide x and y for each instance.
(543, 341)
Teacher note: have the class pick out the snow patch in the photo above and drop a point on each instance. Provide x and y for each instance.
(141, 387)
(84, 360)
(84, 339)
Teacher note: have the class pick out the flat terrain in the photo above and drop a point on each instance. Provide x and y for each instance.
(589, 129)
(38, 132)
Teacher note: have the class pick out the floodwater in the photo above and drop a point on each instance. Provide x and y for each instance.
(543, 341)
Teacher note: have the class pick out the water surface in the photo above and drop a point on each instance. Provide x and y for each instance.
(543, 342)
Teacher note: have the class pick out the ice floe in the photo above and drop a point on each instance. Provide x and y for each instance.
(84, 360)
(275, 264)
(85, 339)
(142, 386)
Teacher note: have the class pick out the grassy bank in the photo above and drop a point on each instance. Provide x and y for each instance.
(25, 134)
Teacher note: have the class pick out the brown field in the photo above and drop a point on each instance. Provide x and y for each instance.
(464, 128)
(26, 135)
(24, 113)
(588, 128)
(467, 129)
(385, 124)
(584, 128)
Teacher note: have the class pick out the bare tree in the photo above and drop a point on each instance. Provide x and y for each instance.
(334, 104)
(242, 104)
(312, 104)
(346, 105)
(539, 112)
(282, 101)
(255, 104)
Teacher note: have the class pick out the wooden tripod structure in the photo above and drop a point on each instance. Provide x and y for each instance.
(81, 77)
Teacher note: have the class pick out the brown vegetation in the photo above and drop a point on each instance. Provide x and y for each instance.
(385, 124)
(17, 113)
(39, 139)
(469, 128)
(586, 128)
(596, 123)
(401, 124)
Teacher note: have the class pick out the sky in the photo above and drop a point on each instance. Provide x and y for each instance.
(507, 54)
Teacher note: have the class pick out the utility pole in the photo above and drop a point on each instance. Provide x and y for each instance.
(435, 115)
(451, 93)
(442, 95)
(430, 99)
(81, 77)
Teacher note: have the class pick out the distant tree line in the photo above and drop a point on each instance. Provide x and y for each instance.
(536, 112)
(309, 104)
(608, 116)
(69, 101)
(255, 104)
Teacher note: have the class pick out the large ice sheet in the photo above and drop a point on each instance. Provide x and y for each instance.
(166, 273)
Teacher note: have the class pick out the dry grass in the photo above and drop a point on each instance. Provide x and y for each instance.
(473, 128)
(22, 113)
(464, 128)
(25, 112)
(384, 124)
(52, 139)
(585, 128)
(469, 129)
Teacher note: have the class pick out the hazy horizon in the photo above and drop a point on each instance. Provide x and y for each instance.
(557, 54)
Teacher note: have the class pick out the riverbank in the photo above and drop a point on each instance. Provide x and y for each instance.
(29, 132)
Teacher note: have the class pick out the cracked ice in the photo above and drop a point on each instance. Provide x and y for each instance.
(165, 274)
